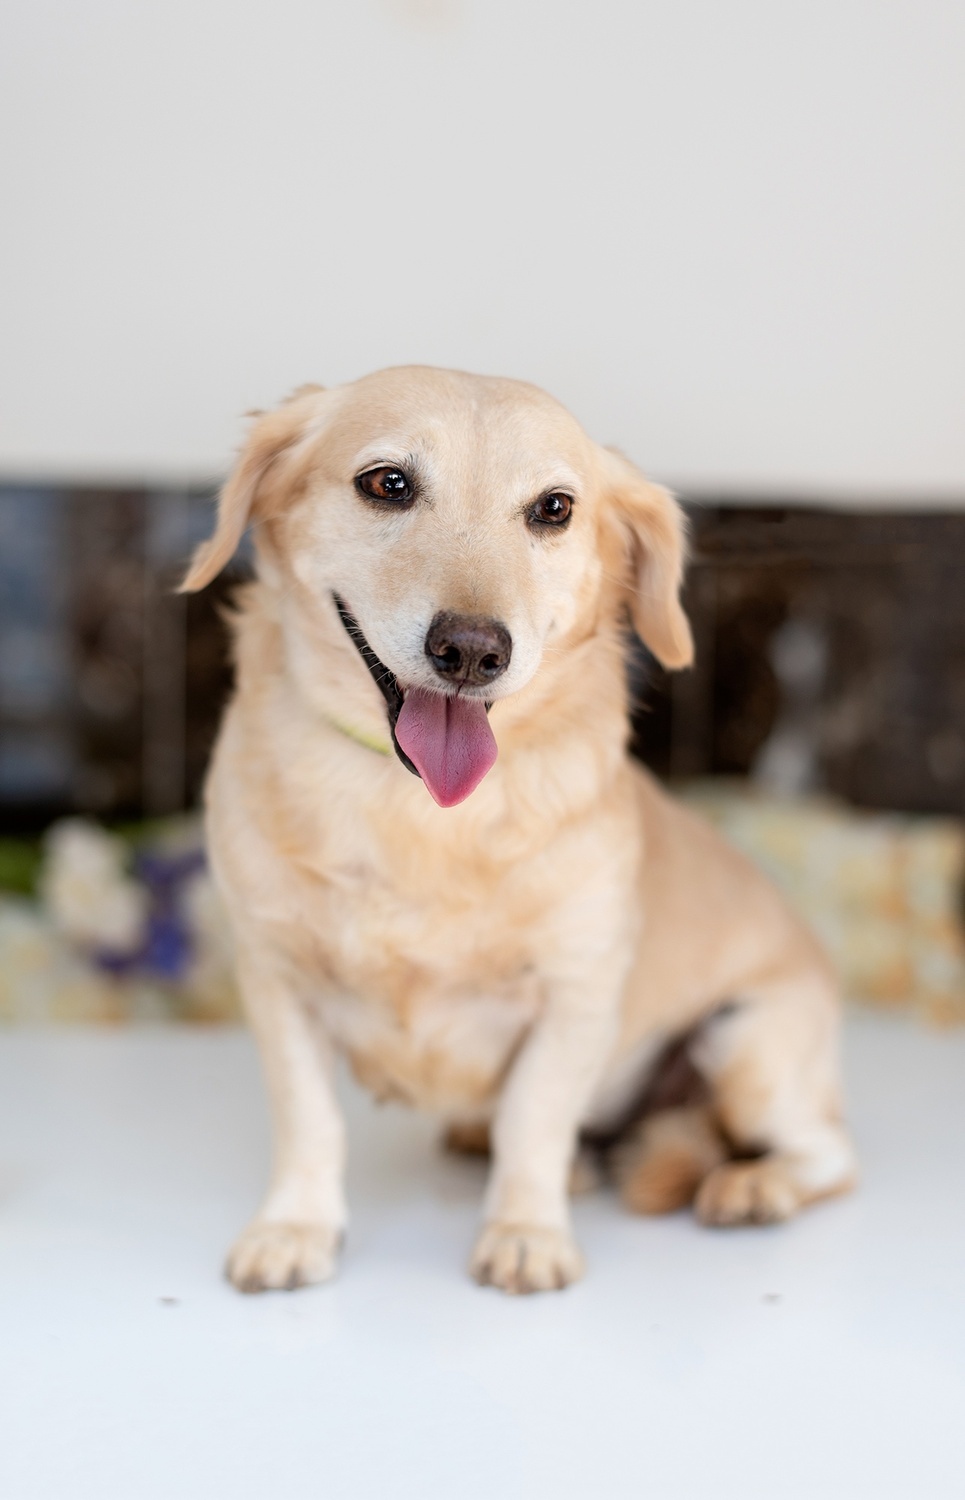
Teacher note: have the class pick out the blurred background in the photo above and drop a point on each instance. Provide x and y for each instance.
(729, 237)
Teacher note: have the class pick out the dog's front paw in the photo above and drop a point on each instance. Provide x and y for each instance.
(525, 1258)
(281, 1257)
(748, 1192)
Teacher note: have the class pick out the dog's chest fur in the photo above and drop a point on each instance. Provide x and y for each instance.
(429, 998)
(449, 1056)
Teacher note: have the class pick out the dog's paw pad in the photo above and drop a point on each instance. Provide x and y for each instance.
(522, 1258)
(747, 1192)
(281, 1257)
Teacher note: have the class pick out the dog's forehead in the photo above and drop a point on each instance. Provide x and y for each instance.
(459, 424)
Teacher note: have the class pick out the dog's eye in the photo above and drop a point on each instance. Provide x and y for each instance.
(551, 510)
(385, 484)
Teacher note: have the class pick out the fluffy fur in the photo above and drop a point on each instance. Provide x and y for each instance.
(515, 961)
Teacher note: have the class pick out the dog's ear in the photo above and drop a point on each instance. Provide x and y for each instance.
(655, 536)
(254, 487)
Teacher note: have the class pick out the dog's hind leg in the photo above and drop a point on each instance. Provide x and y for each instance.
(772, 1064)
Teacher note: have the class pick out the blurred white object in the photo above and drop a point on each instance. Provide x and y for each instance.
(87, 892)
(786, 765)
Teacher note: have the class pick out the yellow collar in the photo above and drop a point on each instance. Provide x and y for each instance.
(369, 741)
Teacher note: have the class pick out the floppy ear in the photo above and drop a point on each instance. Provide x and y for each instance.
(251, 491)
(655, 532)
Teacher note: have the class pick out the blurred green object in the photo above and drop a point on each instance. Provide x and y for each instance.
(20, 861)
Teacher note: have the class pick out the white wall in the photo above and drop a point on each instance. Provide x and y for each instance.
(729, 234)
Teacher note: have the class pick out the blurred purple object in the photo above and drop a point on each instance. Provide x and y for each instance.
(168, 945)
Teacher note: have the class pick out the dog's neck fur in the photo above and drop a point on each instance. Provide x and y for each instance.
(360, 736)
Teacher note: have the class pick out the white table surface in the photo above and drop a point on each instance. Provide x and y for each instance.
(825, 1358)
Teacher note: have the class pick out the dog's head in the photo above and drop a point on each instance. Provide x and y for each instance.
(459, 528)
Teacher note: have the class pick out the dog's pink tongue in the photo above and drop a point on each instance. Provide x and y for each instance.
(448, 740)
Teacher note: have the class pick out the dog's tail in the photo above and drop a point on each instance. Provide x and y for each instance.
(668, 1138)
(661, 1163)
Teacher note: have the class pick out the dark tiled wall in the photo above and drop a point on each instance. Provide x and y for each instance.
(831, 653)
(36, 763)
(111, 685)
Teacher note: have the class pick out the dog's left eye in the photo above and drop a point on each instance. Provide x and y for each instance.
(551, 510)
(386, 484)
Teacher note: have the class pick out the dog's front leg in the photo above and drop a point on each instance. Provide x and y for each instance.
(526, 1244)
(294, 1238)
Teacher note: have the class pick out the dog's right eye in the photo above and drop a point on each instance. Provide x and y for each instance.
(386, 484)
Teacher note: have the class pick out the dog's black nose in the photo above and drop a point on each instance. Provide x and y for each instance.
(467, 650)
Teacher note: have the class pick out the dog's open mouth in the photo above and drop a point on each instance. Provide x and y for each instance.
(445, 740)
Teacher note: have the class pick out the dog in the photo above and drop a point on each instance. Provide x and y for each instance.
(438, 858)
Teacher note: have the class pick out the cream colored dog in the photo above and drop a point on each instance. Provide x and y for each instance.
(446, 565)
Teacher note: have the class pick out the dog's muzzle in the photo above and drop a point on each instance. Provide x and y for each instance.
(383, 677)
